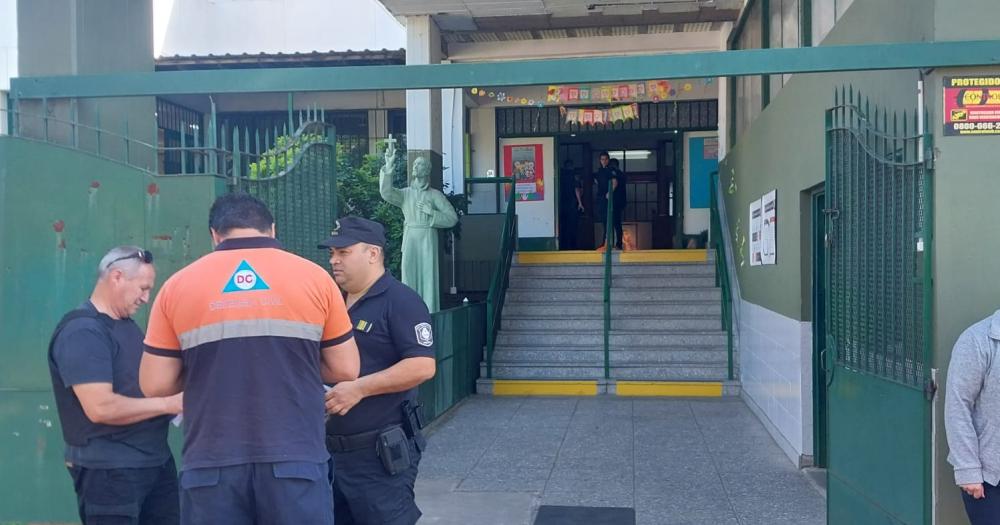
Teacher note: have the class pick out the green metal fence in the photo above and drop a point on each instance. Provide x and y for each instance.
(880, 240)
(718, 243)
(608, 247)
(877, 354)
(297, 180)
(501, 274)
(459, 337)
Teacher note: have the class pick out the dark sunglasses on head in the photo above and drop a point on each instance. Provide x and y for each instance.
(145, 256)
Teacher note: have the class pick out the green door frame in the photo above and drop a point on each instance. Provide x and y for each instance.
(819, 288)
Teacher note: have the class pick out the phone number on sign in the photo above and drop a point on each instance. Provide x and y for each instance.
(961, 126)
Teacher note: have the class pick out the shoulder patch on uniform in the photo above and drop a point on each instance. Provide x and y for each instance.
(244, 279)
(425, 336)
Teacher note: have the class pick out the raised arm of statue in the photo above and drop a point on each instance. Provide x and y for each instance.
(390, 194)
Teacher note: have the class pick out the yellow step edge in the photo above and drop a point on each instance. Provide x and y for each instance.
(668, 389)
(664, 256)
(566, 257)
(544, 388)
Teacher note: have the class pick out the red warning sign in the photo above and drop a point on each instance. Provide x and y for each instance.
(972, 105)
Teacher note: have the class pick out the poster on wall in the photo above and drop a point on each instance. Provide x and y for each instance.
(755, 231)
(524, 163)
(769, 230)
(703, 161)
(972, 105)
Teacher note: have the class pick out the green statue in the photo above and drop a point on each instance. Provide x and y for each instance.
(424, 209)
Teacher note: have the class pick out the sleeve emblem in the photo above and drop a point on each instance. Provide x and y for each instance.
(425, 336)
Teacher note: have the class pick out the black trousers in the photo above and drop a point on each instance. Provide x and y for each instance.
(616, 223)
(364, 494)
(984, 511)
(617, 210)
(127, 496)
(567, 230)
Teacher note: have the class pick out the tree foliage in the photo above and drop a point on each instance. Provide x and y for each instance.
(358, 194)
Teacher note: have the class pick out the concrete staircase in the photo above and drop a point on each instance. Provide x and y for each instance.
(666, 324)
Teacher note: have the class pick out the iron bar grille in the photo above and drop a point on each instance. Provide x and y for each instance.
(878, 238)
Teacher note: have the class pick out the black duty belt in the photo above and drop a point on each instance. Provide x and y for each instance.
(353, 441)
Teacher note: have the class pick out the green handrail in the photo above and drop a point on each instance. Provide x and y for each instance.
(608, 242)
(722, 272)
(501, 274)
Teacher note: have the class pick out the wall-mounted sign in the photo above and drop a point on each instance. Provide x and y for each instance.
(756, 224)
(524, 164)
(769, 229)
(972, 105)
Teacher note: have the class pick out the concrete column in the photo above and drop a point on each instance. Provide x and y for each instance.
(83, 37)
(453, 139)
(723, 83)
(423, 106)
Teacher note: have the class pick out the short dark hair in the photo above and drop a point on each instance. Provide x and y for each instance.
(239, 210)
(604, 154)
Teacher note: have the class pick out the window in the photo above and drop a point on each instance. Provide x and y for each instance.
(764, 24)
(785, 20)
(825, 15)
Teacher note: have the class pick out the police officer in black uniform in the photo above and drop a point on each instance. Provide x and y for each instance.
(606, 174)
(373, 430)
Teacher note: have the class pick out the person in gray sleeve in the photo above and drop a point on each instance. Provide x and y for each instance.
(972, 419)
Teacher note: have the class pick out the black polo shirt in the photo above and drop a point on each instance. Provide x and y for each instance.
(391, 323)
(98, 349)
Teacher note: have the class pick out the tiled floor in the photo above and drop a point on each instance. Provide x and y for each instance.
(494, 460)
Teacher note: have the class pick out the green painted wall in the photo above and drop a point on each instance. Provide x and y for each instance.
(966, 237)
(966, 215)
(98, 204)
(784, 150)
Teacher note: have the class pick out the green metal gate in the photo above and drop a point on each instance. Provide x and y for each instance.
(878, 353)
(297, 180)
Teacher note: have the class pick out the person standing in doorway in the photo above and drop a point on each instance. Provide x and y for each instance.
(620, 200)
(116, 439)
(570, 205)
(608, 174)
(972, 419)
(250, 332)
(373, 430)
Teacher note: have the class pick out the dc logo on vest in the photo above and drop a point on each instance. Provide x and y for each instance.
(245, 279)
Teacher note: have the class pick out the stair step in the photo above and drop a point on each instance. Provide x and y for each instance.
(618, 295)
(618, 310)
(570, 323)
(594, 283)
(528, 338)
(618, 270)
(619, 357)
(664, 282)
(644, 373)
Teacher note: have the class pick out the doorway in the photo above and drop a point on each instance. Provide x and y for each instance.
(650, 166)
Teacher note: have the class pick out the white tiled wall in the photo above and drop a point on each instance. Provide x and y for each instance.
(776, 375)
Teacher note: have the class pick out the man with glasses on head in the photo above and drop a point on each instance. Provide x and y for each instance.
(116, 439)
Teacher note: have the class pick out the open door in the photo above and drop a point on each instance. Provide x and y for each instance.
(879, 317)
